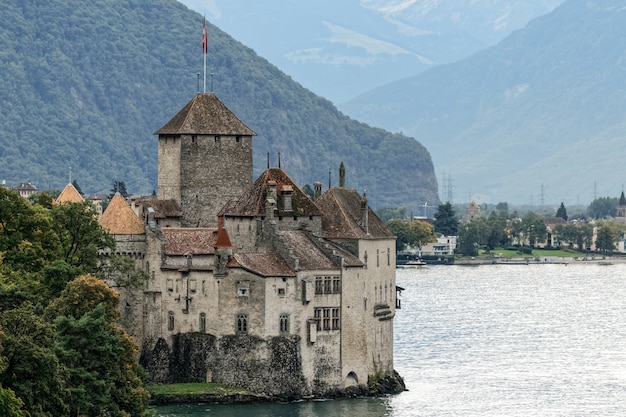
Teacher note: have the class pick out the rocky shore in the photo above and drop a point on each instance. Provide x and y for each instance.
(387, 385)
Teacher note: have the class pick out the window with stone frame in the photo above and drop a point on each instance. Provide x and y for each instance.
(170, 320)
(328, 285)
(284, 323)
(242, 323)
(325, 318)
(336, 322)
(319, 285)
(318, 318)
(336, 285)
(202, 323)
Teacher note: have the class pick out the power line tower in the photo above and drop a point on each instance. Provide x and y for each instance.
(447, 188)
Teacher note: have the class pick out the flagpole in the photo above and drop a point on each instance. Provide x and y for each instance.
(205, 48)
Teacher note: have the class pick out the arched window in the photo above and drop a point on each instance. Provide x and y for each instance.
(202, 322)
(170, 320)
(242, 323)
(284, 323)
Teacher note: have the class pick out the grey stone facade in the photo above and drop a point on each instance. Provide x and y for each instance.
(254, 284)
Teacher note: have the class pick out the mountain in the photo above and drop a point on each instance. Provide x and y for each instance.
(537, 118)
(83, 88)
(340, 49)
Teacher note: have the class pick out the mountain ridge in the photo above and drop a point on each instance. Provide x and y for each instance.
(83, 90)
(505, 122)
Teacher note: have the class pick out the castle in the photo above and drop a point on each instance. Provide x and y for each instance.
(253, 283)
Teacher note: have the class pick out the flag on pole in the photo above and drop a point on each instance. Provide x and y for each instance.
(205, 39)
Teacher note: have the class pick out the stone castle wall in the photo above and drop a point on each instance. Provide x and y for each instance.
(215, 170)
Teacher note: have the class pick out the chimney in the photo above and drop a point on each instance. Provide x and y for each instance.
(364, 213)
(317, 189)
(270, 200)
(287, 194)
(342, 175)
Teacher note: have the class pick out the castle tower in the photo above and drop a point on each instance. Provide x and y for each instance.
(205, 159)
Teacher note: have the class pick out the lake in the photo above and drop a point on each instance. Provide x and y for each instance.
(494, 340)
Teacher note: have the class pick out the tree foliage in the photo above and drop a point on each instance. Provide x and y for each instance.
(84, 363)
(602, 207)
(562, 212)
(446, 222)
(87, 102)
(416, 233)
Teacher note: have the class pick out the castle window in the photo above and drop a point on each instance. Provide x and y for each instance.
(284, 323)
(242, 323)
(170, 284)
(318, 318)
(202, 322)
(238, 139)
(335, 319)
(217, 139)
(170, 320)
(193, 138)
(203, 287)
(327, 285)
(281, 292)
(192, 286)
(319, 286)
(336, 285)
(326, 319)
(388, 257)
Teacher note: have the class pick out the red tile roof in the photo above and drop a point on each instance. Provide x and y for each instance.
(163, 208)
(190, 241)
(264, 264)
(252, 203)
(342, 216)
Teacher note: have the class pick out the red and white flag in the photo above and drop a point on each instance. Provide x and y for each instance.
(205, 39)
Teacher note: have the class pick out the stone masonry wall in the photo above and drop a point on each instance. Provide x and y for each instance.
(214, 169)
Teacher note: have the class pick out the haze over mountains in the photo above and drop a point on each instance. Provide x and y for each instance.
(339, 49)
(83, 86)
(538, 117)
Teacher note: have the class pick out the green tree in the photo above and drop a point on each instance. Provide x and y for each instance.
(32, 368)
(567, 233)
(446, 222)
(421, 233)
(10, 404)
(402, 230)
(470, 237)
(533, 229)
(100, 358)
(119, 187)
(602, 207)
(605, 240)
(562, 212)
(81, 236)
(26, 238)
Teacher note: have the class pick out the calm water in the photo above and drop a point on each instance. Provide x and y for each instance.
(517, 340)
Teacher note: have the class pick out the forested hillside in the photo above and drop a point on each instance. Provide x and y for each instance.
(83, 86)
(539, 115)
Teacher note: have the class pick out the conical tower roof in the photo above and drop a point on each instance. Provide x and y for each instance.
(205, 114)
(120, 219)
(69, 195)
